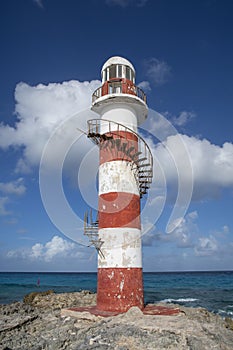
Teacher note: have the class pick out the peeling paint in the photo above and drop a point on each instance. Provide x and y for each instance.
(117, 176)
(111, 275)
(119, 251)
(121, 292)
(122, 285)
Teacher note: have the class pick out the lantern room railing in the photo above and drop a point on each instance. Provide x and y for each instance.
(118, 86)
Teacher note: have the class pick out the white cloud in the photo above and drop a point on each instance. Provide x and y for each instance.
(40, 110)
(145, 86)
(221, 233)
(206, 246)
(37, 251)
(3, 210)
(185, 168)
(14, 187)
(183, 235)
(57, 248)
(181, 119)
(22, 167)
(148, 239)
(159, 72)
(225, 229)
(212, 165)
(186, 230)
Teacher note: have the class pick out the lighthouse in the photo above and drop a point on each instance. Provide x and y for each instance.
(125, 175)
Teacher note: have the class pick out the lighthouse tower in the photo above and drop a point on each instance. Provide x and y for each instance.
(125, 174)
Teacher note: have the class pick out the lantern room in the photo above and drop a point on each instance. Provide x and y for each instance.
(118, 68)
(118, 82)
(118, 77)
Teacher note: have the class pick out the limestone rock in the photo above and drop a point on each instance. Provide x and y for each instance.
(43, 325)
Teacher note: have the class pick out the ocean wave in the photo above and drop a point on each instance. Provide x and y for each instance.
(18, 285)
(180, 300)
(225, 313)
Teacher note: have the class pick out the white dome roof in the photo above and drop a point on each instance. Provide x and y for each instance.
(117, 60)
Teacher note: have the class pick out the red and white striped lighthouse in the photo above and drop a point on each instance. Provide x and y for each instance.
(125, 173)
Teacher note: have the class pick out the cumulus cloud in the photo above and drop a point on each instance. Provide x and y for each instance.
(158, 72)
(186, 230)
(17, 188)
(37, 251)
(40, 110)
(159, 125)
(183, 118)
(212, 165)
(221, 233)
(206, 246)
(57, 246)
(187, 235)
(14, 187)
(183, 235)
(55, 249)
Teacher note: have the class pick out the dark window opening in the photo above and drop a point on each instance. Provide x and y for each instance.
(112, 72)
(120, 71)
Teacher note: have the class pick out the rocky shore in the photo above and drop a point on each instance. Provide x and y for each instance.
(42, 321)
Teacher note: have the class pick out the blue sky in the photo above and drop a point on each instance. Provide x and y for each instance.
(51, 56)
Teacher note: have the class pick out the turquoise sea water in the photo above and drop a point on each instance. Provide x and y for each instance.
(212, 290)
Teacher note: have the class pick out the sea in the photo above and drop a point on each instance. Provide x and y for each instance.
(211, 290)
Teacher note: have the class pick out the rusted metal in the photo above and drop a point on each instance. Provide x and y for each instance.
(119, 289)
(91, 230)
(118, 86)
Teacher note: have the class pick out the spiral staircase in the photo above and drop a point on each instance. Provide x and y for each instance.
(141, 160)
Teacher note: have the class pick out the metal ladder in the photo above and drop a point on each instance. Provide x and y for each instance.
(91, 230)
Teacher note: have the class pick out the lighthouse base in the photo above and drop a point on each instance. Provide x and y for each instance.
(150, 309)
(119, 289)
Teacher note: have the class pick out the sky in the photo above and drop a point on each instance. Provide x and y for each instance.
(52, 53)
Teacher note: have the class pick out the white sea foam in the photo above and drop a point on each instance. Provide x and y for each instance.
(225, 312)
(180, 300)
(230, 313)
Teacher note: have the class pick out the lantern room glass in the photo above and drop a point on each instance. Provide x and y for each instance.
(118, 71)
